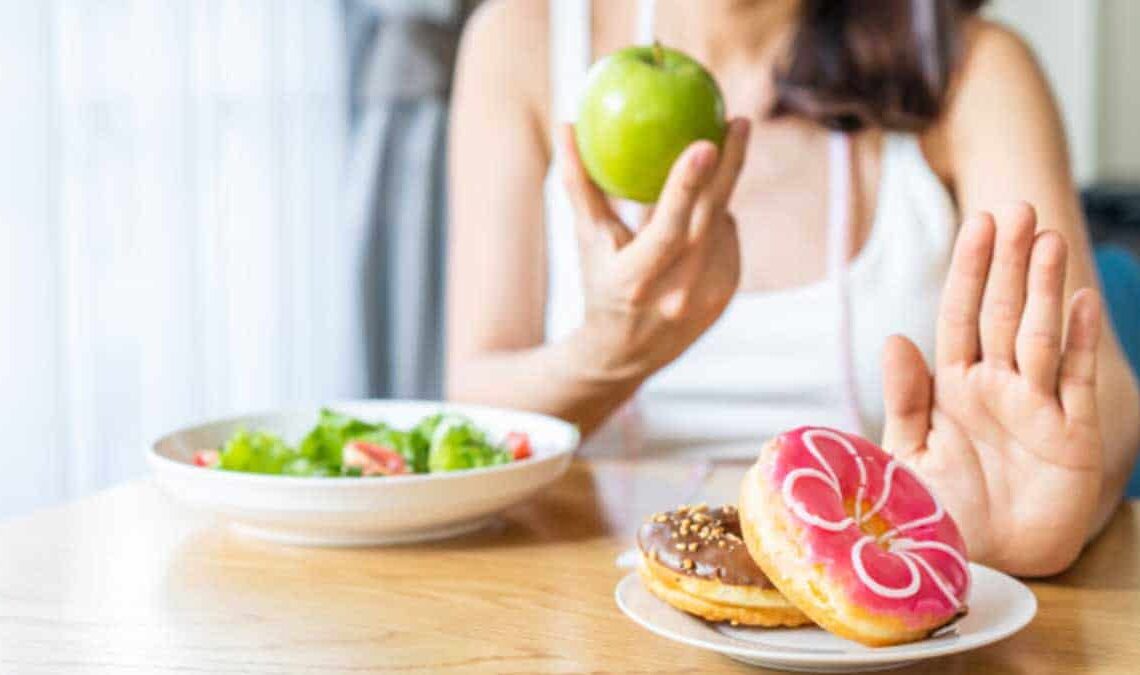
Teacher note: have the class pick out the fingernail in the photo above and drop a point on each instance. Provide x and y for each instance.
(703, 156)
(741, 126)
(1087, 308)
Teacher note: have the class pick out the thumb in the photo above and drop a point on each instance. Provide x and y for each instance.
(907, 398)
(595, 215)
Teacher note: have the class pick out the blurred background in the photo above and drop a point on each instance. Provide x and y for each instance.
(210, 207)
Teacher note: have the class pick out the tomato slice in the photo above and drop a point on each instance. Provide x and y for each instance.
(518, 444)
(207, 458)
(374, 459)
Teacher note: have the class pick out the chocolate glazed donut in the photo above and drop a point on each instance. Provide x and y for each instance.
(695, 559)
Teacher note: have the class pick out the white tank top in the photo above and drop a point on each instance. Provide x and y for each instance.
(774, 360)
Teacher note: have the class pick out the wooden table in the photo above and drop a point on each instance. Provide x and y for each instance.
(126, 582)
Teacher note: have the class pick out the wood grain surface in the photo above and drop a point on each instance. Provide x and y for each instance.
(128, 582)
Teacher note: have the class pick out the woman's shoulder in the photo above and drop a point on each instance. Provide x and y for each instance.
(513, 21)
(998, 78)
(509, 39)
(992, 50)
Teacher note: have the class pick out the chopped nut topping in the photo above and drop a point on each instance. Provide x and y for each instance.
(720, 543)
(660, 518)
(692, 547)
(687, 564)
(679, 546)
(701, 507)
(735, 622)
(704, 532)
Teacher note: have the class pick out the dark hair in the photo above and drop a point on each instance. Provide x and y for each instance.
(884, 63)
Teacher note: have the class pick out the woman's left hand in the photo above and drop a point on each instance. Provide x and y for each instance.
(1006, 430)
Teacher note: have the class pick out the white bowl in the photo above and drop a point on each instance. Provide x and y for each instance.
(362, 511)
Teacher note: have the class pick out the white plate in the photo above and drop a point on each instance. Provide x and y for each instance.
(999, 607)
(362, 511)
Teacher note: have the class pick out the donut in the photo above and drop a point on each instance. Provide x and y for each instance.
(853, 538)
(694, 559)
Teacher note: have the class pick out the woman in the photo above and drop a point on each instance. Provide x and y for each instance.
(774, 282)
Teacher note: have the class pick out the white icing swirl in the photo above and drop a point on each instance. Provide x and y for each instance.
(798, 507)
(878, 589)
(904, 547)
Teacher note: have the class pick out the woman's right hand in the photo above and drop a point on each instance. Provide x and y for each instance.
(651, 294)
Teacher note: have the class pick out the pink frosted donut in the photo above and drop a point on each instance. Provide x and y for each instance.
(853, 538)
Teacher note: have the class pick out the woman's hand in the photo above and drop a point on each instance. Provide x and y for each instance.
(1006, 431)
(649, 295)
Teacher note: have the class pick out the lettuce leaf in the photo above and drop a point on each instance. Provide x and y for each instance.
(255, 452)
(440, 442)
(456, 443)
(324, 443)
(303, 466)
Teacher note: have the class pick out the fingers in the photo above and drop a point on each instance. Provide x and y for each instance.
(655, 245)
(1038, 346)
(688, 177)
(961, 298)
(1078, 362)
(715, 197)
(1004, 297)
(588, 200)
(907, 398)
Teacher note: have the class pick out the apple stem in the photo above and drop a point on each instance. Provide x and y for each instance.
(658, 54)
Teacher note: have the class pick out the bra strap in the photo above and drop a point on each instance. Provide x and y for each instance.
(570, 53)
(646, 19)
(838, 247)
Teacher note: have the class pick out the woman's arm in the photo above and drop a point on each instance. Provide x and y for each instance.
(1005, 142)
(496, 279)
(647, 296)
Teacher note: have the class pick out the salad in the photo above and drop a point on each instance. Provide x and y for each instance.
(345, 446)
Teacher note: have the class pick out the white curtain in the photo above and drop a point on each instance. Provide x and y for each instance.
(172, 245)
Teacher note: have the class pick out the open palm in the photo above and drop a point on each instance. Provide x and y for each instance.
(1006, 430)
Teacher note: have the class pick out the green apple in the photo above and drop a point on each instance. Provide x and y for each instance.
(642, 106)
